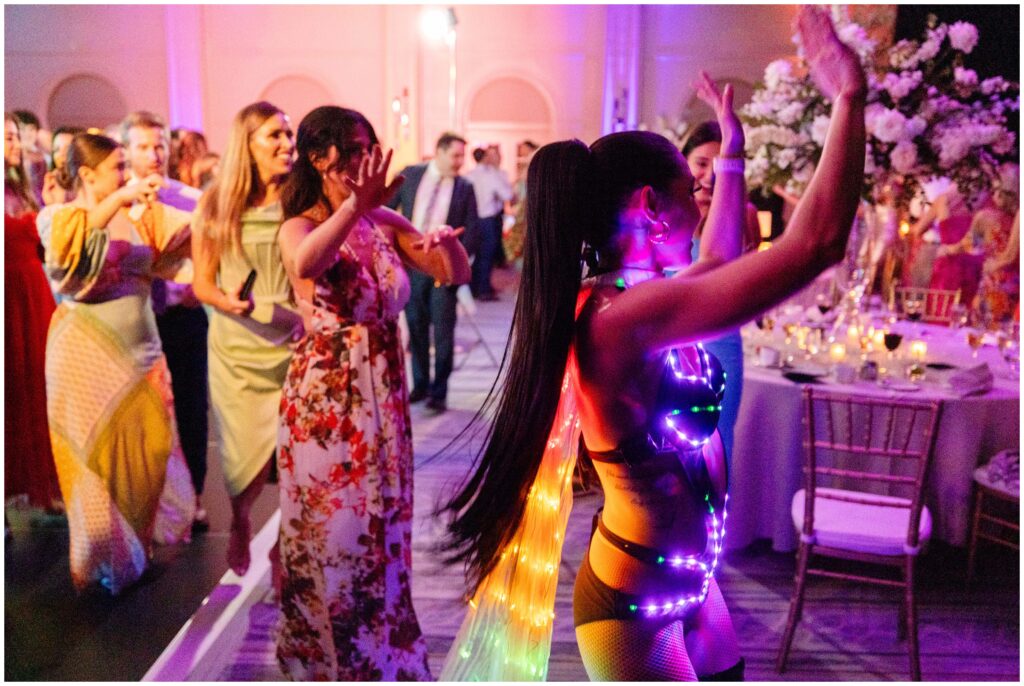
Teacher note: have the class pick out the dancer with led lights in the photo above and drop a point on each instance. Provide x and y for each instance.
(615, 358)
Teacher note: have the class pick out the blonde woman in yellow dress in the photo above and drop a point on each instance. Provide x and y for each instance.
(111, 413)
(250, 339)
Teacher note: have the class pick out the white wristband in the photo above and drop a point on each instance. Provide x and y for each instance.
(728, 165)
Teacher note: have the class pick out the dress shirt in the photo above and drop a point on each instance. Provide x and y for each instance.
(431, 183)
(492, 189)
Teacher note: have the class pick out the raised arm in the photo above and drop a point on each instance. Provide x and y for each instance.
(722, 235)
(665, 312)
(440, 254)
(315, 248)
(144, 191)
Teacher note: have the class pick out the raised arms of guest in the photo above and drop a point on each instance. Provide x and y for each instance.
(356, 190)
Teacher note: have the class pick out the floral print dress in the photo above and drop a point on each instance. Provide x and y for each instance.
(345, 463)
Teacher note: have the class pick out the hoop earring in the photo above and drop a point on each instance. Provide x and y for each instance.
(659, 232)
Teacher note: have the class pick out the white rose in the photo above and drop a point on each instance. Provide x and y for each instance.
(963, 36)
(890, 126)
(776, 72)
(1005, 144)
(965, 77)
(786, 158)
(791, 113)
(952, 146)
(819, 129)
(903, 157)
(996, 84)
(916, 126)
(928, 50)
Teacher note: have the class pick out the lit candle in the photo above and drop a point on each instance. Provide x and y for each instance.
(878, 339)
(837, 352)
(764, 223)
(918, 350)
(801, 337)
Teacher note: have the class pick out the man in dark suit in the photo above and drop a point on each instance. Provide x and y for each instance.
(433, 195)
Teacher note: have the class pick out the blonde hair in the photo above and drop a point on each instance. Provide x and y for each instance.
(238, 185)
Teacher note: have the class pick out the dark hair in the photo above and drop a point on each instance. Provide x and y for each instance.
(322, 128)
(15, 177)
(530, 144)
(73, 130)
(446, 140)
(26, 118)
(488, 508)
(624, 162)
(574, 196)
(479, 153)
(705, 132)
(86, 150)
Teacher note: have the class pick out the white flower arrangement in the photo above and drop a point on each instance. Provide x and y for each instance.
(927, 117)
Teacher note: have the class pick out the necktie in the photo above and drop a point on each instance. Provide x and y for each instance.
(431, 203)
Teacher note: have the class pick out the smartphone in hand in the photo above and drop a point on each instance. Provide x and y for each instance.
(247, 286)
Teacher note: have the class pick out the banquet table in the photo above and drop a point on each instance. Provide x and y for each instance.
(766, 466)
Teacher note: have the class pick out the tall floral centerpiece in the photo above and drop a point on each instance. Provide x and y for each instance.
(930, 120)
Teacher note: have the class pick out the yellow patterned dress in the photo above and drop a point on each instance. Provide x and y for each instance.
(111, 413)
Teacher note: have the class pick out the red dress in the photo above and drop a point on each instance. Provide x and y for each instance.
(958, 271)
(28, 461)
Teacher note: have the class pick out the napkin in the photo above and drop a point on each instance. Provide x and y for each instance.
(1005, 467)
(970, 381)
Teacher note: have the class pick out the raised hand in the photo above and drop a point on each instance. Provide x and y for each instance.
(442, 235)
(370, 189)
(721, 103)
(142, 192)
(835, 67)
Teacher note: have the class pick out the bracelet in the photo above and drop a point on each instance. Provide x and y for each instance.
(728, 165)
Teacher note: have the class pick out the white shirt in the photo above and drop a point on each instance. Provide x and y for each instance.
(439, 212)
(492, 189)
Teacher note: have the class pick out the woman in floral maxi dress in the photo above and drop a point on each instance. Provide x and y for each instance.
(345, 444)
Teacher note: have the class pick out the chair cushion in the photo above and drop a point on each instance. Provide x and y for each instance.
(874, 529)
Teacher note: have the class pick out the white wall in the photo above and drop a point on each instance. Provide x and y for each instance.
(363, 56)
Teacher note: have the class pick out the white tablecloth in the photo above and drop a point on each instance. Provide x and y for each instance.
(768, 454)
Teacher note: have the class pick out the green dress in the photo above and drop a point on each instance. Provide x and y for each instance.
(249, 356)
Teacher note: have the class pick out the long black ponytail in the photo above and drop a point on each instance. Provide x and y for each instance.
(488, 508)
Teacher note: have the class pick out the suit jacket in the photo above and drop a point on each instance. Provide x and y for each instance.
(461, 210)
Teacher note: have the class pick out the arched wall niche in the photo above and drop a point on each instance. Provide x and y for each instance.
(85, 100)
(506, 109)
(297, 95)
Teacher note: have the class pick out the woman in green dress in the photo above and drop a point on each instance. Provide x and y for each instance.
(250, 339)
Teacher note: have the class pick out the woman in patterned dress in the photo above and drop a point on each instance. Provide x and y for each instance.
(345, 444)
(108, 392)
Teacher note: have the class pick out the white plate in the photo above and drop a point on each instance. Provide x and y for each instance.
(808, 369)
(898, 385)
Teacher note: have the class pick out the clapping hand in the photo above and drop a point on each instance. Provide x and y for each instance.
(370, 189)
(835, 67)
(721, 103)
(144, 191)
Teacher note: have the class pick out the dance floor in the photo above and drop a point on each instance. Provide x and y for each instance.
(848, 633)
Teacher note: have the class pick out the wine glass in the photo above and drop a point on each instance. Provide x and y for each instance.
(892, 341)
(789, 328)
(975, 339)
(959, 316)
(824, 303)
